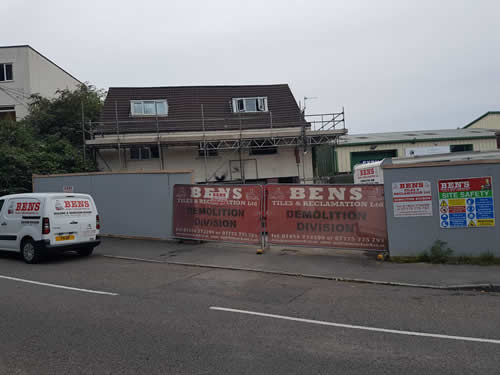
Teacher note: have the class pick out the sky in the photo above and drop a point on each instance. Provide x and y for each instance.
(394, 65)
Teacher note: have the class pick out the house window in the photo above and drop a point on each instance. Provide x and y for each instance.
(6, 72)
(157, 107)
(7, 113)
(144, 153)
(209, 151)
(263, 151)
(254, 104)
(459, 148)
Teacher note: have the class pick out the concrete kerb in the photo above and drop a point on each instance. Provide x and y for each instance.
(470, 287)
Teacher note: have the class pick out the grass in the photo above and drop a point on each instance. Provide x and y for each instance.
(485, 259)
(439, 253)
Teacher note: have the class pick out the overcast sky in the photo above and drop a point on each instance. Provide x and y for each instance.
(393, 64)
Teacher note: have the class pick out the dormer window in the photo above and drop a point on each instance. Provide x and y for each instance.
(157, 107)
(253, 104)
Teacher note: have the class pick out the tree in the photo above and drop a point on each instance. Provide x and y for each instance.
(62, 116)
(49, 140)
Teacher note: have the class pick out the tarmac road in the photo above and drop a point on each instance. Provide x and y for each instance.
(130, 317)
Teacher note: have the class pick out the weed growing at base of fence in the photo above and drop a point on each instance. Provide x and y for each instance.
(484, 259)
(439, 253)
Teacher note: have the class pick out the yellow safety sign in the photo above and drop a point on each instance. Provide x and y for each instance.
(486, 222)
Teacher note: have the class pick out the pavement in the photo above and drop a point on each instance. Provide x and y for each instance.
(100, 315)
(342, 265)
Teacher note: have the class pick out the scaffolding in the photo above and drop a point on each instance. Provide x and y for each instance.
(236, 133)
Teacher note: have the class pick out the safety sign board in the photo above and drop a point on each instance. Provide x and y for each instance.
(412, 199)
(466, 203)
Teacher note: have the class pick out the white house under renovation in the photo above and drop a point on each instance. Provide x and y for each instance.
(222, 133)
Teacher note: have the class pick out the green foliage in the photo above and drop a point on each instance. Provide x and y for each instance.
(484, 259)
(49, 140)
(62, 116)
(439, 253)
(487, 258)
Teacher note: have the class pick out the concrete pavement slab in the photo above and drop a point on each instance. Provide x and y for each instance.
(337, 264)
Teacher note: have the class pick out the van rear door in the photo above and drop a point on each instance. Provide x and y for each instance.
(73, 220)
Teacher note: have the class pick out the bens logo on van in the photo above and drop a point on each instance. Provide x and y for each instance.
(68, 205)
(76, 204)
(27, 207)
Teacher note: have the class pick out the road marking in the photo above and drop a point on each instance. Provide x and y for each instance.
(58, 286)
(365, 328)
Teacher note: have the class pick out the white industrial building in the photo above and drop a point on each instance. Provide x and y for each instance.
(24, 72)
(482, 134)
(490, 120)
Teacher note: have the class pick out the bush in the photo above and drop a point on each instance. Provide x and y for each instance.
(48, 140)
(439, 253)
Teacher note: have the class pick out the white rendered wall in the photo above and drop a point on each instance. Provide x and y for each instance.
(46, 78)
(16, 92)
(282, 164)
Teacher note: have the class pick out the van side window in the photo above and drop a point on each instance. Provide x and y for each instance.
(23, 206)
(1, 205)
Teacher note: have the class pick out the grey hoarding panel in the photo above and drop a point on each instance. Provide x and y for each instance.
(129, 204)
(409, 236)
(80, 184)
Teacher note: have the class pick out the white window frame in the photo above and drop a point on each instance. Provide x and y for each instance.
(261, 104)
(150, 153)
(3, 66)
(7, 108)
(141, 102)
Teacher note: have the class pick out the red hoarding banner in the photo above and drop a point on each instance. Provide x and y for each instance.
(218, 213)
(342, 216)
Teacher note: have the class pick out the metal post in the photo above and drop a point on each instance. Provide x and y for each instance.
(83, 134)
(204, 142)
(242, 170)
(158, 142)
(263, 224)
(298, 166)
(118, 135)
(304, 150)
(91, 135)
(271, 124)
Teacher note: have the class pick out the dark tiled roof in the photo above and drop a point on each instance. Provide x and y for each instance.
(184, 108)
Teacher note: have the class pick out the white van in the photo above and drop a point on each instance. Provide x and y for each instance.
(37, 223)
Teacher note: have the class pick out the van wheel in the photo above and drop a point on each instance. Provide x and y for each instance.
(85, 252)
(29, 252)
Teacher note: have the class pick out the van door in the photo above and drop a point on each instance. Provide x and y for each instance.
(72, 220)
(16, 214)
(87, 221)
(5, 237)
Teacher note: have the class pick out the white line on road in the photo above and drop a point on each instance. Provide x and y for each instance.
(365, 328)
(58, 286)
